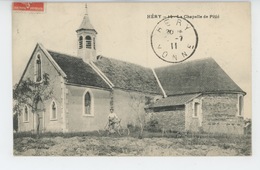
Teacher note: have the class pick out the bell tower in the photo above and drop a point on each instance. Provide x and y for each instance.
(86, 39)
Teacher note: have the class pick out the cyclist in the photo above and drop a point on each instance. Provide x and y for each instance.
(112, 119)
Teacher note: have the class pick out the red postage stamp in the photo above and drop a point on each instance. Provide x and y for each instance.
(28, 6)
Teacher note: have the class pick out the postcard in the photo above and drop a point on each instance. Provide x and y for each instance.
(132, 79)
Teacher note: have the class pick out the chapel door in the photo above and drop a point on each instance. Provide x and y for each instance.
(40, 121)
(40, 117)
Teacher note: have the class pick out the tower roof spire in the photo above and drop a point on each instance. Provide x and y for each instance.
(85, 24)
(86, 8)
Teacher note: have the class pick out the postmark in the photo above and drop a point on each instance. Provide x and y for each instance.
(174, 39)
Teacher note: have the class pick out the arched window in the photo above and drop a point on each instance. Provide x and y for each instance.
(240, 105)
(26, 114)
(53, 111)
(196, 109)
(87, 103)
(38, 68)
(88, 42)
(80, 42)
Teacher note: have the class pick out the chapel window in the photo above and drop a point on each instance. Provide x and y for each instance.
(88, 42)
(38, 68)
(240, 111)
(80, 42)
(26, 114)
(53, 111)
(196, 109)
(87, 104)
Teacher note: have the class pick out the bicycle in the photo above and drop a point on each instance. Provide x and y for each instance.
(116, 128)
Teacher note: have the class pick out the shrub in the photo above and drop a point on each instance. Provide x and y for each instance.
(55, 134)
(152, 126)
(15, 122)
(24, 134)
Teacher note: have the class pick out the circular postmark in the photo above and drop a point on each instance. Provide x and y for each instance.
(174, 39)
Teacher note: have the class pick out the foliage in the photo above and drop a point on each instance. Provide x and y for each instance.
(137, 105)
(28, 92)
(15, 122)
(57, 134)
(248, 126)
(152, 126)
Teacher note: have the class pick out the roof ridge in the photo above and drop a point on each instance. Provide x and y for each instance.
(109, 58)
(101, 74)
(187, 62)
(128, 62)
(78, 71)
(159, 83)
(69, 55)
(183, 94)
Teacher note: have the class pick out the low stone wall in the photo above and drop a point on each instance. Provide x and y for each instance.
(169, 120)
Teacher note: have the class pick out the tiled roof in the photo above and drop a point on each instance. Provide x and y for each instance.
(192, 77)
(85, 24)
(128, 76)
(197, 76)
(123, 75)
(77, 71)
(173, 100)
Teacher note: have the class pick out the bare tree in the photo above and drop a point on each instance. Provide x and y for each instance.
(30, 93)
(137, 104)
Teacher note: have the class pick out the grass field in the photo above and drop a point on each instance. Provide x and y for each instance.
(151, 144)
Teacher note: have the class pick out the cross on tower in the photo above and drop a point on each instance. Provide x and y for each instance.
(86, 6)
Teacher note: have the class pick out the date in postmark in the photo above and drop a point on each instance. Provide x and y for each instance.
(174, 39)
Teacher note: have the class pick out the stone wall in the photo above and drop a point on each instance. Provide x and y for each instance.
(169, 120)
(219, 114)
(56, 84)
(76, 120)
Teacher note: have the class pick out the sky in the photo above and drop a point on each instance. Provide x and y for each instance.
(124, 32)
